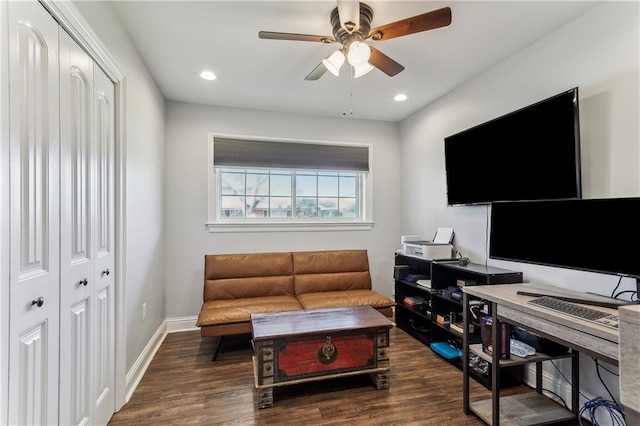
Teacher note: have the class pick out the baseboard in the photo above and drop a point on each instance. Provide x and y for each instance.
(135, 374)
(178, 324)
(553, 382)
(170, 325)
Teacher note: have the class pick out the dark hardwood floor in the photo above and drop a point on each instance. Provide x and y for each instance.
(183, 386)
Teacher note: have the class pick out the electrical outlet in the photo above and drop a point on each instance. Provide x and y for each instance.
(144, 311)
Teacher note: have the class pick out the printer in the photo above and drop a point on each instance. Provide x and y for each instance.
(439, 248)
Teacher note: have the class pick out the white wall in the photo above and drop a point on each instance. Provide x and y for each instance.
(599, 53)
(186, 195)
(144, 280)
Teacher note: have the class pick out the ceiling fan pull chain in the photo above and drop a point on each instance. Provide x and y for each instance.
(350, 77)
(351, 91)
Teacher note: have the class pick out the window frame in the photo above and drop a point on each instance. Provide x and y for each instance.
(216, 223)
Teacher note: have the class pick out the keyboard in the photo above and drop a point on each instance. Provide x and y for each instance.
(592, 315)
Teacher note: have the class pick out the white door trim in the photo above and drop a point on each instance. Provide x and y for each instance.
(5, 226)
(72, 21)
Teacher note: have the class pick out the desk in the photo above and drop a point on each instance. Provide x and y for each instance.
(629, 366)
(581, 336)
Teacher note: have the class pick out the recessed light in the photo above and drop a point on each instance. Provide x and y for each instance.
(400, 97)
(208, 75)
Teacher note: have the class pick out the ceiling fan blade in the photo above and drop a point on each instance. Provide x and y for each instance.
(296, 37)
(317, 72)
(384, 63)
(427, 21)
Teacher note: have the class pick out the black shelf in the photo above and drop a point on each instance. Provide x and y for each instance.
(447, 273)
(420, 321)
(446, 299)
(424, 315)
(419, 332)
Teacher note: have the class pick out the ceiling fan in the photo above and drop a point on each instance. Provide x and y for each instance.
(351, 22)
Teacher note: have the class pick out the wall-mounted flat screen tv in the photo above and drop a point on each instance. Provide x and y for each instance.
(530, 154)
(597, 235)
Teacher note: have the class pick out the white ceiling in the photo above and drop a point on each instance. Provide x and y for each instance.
(179, 39)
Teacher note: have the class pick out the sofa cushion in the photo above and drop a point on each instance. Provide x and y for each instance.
(231, 276)
(334, 299)
(238, 288)
(228, 311)
(333, 270)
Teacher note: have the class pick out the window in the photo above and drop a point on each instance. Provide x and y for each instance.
(264, 193)
(258, 184)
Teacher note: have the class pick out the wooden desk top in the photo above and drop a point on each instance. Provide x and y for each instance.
(315, 321)
(584, 336)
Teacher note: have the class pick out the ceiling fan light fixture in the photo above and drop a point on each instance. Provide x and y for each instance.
(361, 69)
(334, 62)
(359, 53)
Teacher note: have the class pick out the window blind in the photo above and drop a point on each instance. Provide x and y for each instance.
(229, 152)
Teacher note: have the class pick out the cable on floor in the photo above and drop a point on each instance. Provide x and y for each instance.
(614, 411)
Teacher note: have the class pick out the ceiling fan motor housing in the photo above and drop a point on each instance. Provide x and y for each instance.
(346, 37)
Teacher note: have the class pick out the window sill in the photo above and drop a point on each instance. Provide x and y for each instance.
(288, 226)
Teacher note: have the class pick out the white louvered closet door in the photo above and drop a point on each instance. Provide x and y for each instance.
(87, 320)
(34, 215)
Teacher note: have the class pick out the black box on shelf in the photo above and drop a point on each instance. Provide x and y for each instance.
(540, 344)
(400, 272)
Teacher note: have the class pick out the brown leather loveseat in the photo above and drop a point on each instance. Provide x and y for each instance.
(238, 285)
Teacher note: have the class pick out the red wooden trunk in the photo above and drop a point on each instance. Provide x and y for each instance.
(302, 346)
(305, 357)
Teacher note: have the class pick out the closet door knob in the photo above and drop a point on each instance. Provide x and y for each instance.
(84, 282)
(38, 302)
(106, 272)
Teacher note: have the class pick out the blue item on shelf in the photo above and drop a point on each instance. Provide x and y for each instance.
(445, 350)
(412, 278)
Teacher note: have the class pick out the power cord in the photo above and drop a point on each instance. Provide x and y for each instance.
(615, 411)
(616, 295)
(607, 370)
(565, 378)
(633, 292)
(617, 285)
(591, 407)
(564, 403)
(486, 237)
(602, 381)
